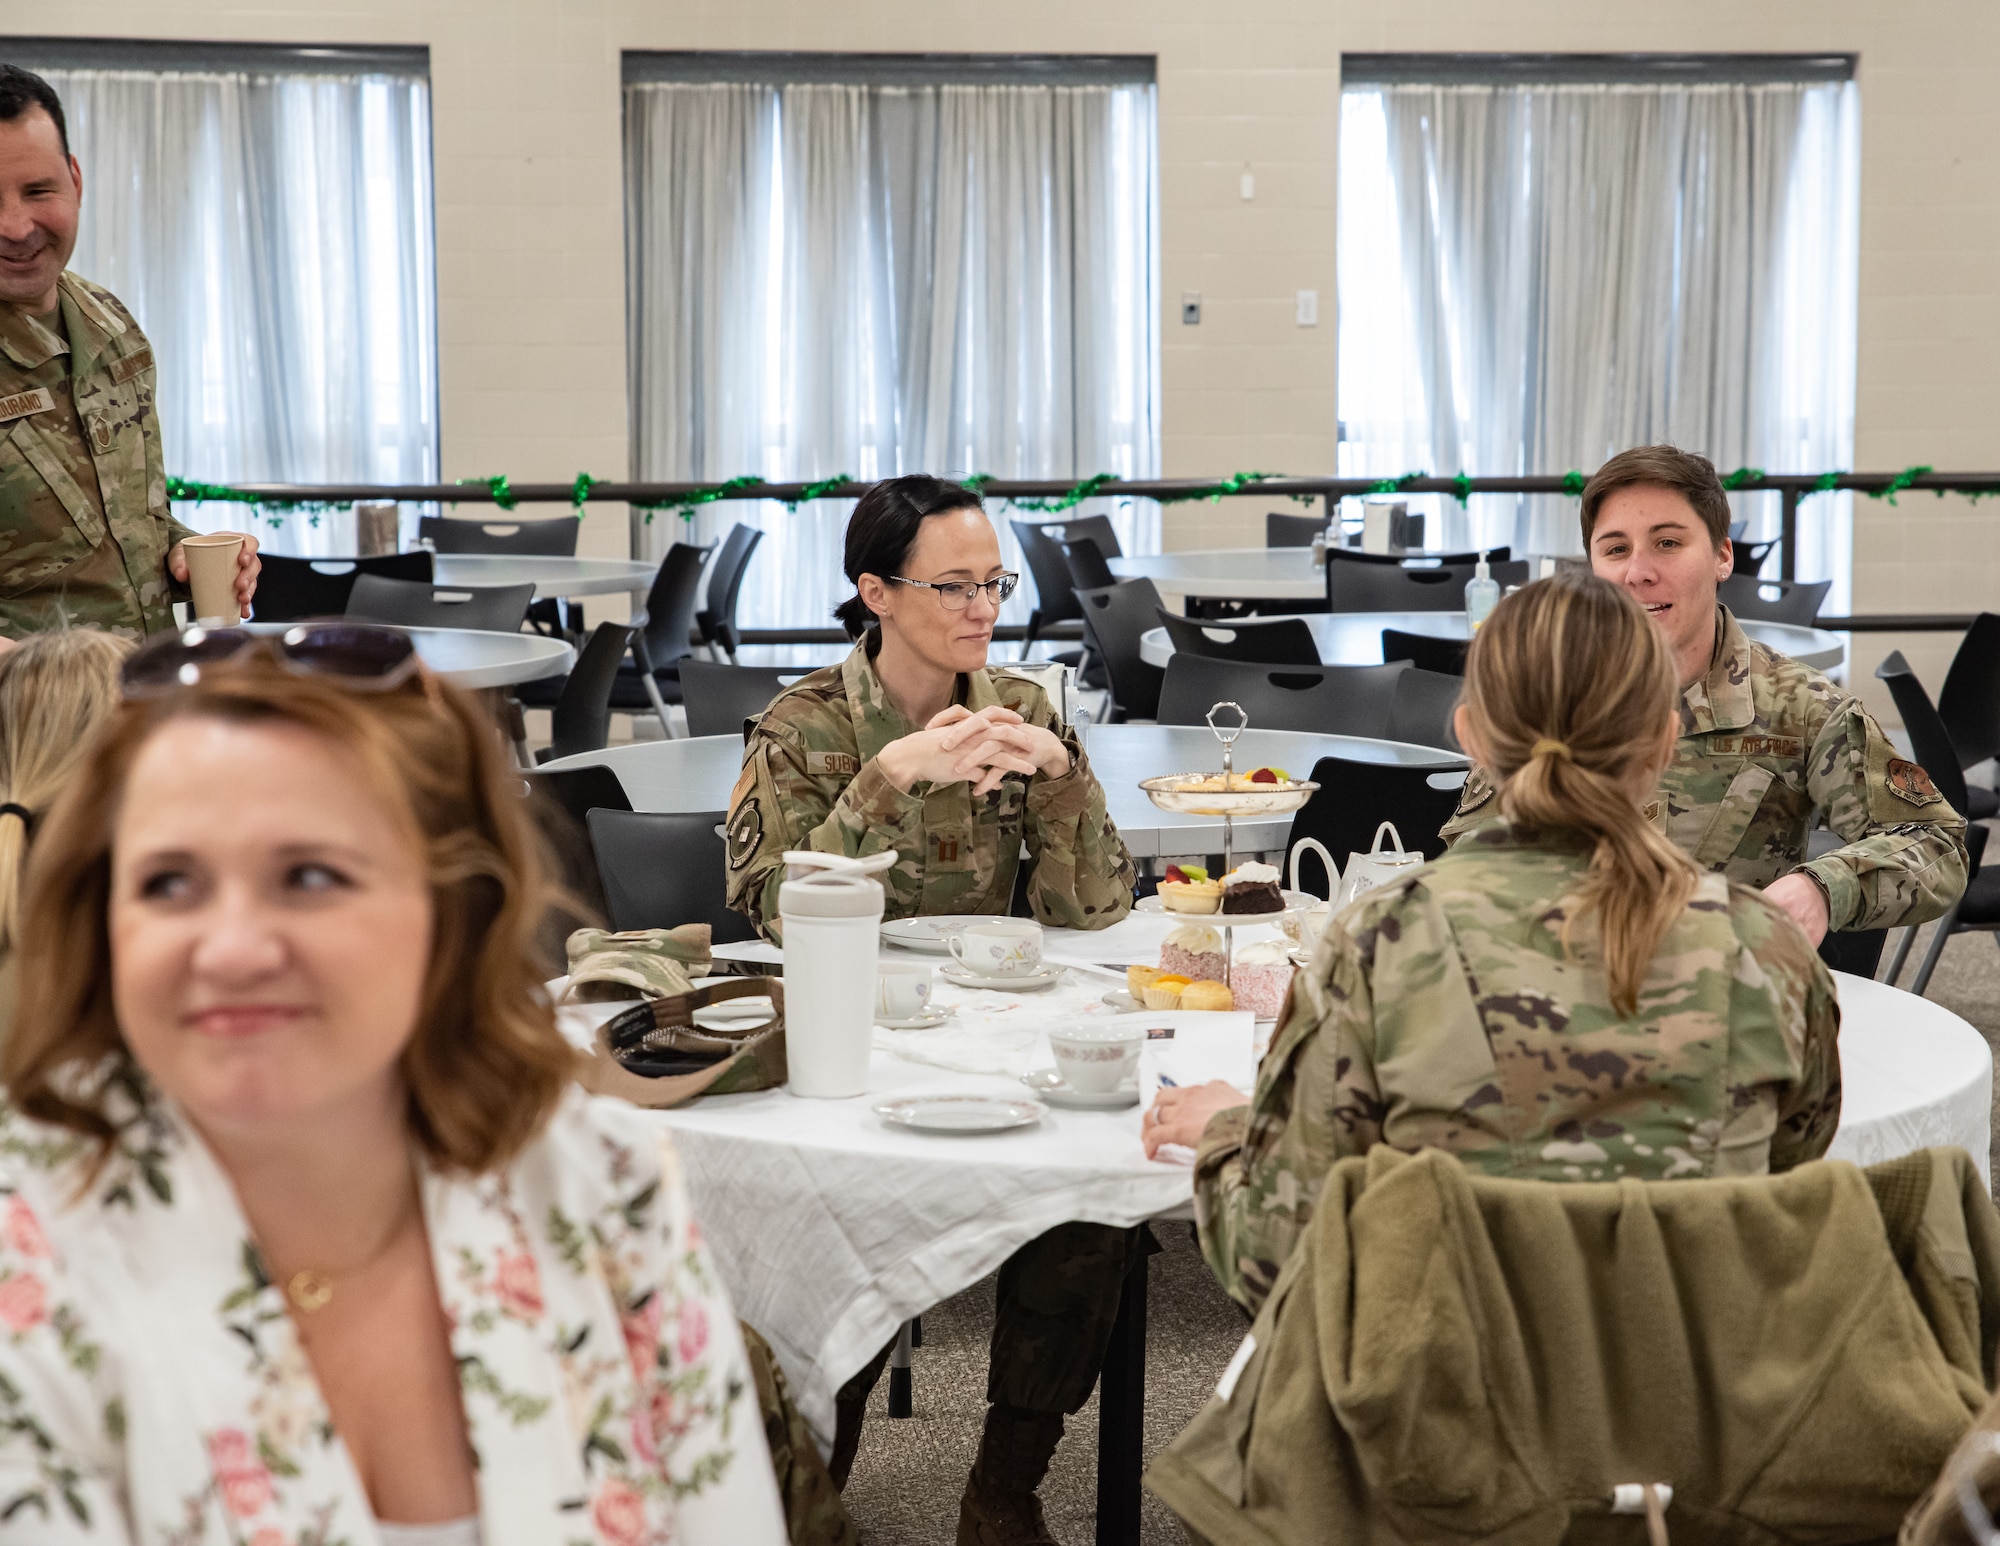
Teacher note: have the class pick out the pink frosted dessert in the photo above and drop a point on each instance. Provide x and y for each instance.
(1261, 978)
(1194, 951)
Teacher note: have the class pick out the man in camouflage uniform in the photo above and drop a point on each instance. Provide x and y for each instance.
(814, 777)
(1446, 1012)
(86, 533)
(1767, 744)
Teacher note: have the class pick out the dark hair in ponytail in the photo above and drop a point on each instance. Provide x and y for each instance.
(1569, 689)
(883, 529)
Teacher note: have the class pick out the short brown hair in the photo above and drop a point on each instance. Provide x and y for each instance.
(1692, 477)
(487, 1064)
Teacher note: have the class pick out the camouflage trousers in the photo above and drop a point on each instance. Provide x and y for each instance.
(814, 1514)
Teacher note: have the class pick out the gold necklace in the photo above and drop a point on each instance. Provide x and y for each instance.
(310, 1289)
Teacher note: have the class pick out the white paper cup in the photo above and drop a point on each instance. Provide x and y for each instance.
(1096, 1057)
(1006, 947)
(211, 562)
(902, 992)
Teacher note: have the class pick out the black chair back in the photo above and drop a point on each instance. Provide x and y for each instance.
(1422, 711)
(1091, 528)
(1326, 700)
(1291, 531)
(1360, 583)
(413, 604)
(717, 620)
(671, 604)
(562, 803)
(1087, 567)
(1773, 601)
(1285, 641)
(1969, 703)
(1357, 556)
(1354, 798)
(1055, 597)
(662, 869)
(1930, 741)
(1117, 616)
(720, 699)
(292, 588)
(580, 720)
(539, 537)
(1444, 656)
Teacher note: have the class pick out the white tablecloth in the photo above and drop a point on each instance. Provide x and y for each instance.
(832, 1229)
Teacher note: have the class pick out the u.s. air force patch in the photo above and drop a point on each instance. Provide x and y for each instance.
(744, 832)
(1908, 781)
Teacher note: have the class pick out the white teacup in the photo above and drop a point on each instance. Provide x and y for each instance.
(1096, 1057)
(1006, 947)
(902, 992)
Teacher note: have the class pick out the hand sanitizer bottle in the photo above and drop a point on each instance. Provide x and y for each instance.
(1482, 594)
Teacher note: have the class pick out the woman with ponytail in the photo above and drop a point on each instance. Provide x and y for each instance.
(1562, 996)
(55, 690)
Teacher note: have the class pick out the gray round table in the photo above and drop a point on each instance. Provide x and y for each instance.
(1355, 638)
(1260, 574)
(551, 576)
(469, 657)
(698, 774)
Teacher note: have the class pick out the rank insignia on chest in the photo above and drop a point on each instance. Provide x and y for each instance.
(1908, 781)
(20, 404)
(947, 849)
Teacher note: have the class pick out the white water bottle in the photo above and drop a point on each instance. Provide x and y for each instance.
(832, 912)
(1482, 594)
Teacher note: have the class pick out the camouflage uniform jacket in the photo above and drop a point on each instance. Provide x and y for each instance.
(810, 780)
(84, 522)
(1443, 1011)
(1765, 743)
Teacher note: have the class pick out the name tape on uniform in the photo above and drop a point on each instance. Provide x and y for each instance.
(21, 404)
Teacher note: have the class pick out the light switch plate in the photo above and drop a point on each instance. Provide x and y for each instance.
(1308, 308)
(1190, 308)
(1247, 185)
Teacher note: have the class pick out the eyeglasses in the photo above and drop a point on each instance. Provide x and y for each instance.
(356, 655)
(956, 595)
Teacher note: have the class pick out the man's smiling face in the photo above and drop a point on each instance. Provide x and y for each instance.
(1651, 541)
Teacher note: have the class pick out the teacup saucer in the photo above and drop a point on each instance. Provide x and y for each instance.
(929, 1018)
(1026, 982)
(1049, 1085)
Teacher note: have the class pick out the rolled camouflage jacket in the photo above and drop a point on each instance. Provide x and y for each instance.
(810, 780)
(1767, 742)
(85, 526)
(1443, 1011)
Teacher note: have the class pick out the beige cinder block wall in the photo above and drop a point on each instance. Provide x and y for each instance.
(530, 257)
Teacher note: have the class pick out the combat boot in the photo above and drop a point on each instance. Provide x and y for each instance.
(1000, 1507)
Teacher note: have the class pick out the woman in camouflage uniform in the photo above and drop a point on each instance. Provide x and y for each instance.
(1562, 996)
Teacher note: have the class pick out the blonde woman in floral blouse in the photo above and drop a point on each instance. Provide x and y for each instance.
(306, 1239)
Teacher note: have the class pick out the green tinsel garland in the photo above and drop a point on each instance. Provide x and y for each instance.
(503, 491)
(819, 490)
(1741, 476)
(1901, 481)
(687, 504)
(1069, 501)
(579, 491)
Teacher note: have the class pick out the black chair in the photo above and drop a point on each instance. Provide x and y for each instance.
(1292, 531)
(1117, 617)
(580, 715)
(291, 588)
(1444, 656)
(1969, 705)
(1979, 908)
(1055, 594)
(1354, 798)
(541, 537)
(1091, 528)
(717, 620)
(413, 604)
(1088, 569)
(1773, 601)
(1365, 583)
(561, 802)
(721, 699)
(1422, 710)
(1284, 641)
(662, 869)
(1325, 700)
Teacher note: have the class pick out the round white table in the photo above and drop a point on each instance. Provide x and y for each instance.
(550, 575)
(1355, 638)
(474, 658)
(1259, 574)
(697, 774)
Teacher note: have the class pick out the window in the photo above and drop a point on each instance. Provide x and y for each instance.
(876, 265)
(1545, 260)
(265, 213)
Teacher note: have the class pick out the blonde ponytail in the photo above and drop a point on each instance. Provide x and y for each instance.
(55, 690)
(1569, 689)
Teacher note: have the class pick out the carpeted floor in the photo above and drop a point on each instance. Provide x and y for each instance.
(907, 1480)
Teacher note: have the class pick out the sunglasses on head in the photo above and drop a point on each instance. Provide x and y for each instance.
(360, 656)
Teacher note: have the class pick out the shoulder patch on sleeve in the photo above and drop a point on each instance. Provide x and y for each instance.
(1908, 781)
(1477, 791)
(744, 833)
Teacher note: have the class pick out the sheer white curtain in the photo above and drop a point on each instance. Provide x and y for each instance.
(273, 235)
(1534, 277)
(886, 279)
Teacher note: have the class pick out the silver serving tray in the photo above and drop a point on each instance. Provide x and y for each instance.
(1169, 792)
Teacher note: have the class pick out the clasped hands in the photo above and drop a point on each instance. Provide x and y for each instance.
(960, 746)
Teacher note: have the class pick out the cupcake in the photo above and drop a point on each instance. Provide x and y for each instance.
(1164, 991)
(1140, 978)
(1207, 995)
(1252, 888)
(1193, 950)
(1261, 977)
(1189, 890)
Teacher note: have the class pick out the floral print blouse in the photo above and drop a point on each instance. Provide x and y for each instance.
(153, 1389)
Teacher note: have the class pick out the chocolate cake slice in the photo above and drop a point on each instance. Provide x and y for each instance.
(1252, 888)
